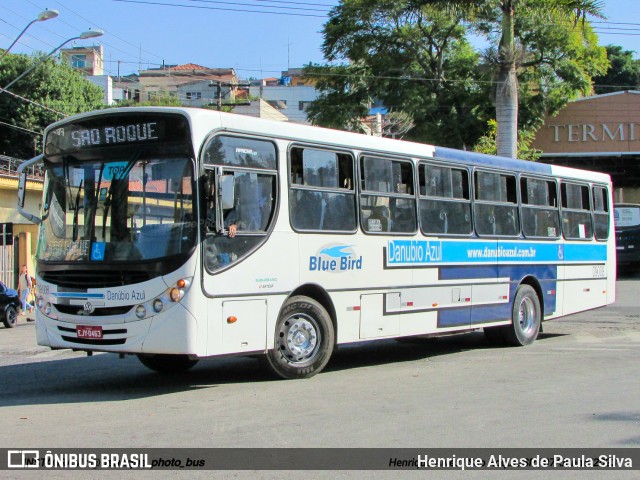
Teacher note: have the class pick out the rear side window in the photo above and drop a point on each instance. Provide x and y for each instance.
(576, 211)
(600, 212)
(539, 208)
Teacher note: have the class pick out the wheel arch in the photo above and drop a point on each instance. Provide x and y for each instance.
(320, 295)
(534, 283)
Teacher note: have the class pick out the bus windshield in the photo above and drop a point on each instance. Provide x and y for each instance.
(119, 209)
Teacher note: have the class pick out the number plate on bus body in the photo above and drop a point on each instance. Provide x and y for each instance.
(89, 331)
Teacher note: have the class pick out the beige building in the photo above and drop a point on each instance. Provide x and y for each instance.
(25, 233)
(166, 80)
(600, 133)
(88, 59)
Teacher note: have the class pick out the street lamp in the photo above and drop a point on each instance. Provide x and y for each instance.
(82, 36)
(44, 15)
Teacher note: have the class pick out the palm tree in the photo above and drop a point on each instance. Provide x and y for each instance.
(507, 58)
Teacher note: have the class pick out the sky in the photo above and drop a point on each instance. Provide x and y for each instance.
(239, 34)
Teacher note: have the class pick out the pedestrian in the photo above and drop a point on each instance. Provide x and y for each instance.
(24, 289)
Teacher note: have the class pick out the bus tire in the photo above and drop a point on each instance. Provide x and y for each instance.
(10, 318)
(167, 363)
(526, 316)
(304, 339)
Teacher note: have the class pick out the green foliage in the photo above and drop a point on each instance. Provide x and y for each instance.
(487, 143)
(623, 72)
(57, 86)
(415, 62)
(161, 99)
(413, 56)
(559, 58)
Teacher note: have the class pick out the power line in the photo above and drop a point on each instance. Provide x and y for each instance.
(220, 8)
(20, 128)
(2, 90)
(256, 6)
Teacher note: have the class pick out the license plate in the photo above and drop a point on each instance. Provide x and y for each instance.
(89, 331)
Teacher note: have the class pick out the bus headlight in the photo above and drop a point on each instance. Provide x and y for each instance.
(176, 294)
(47, 309)
(40, 303)
(141, 311)
(158, 305)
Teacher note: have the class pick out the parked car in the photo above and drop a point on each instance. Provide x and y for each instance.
(9, 305)
(627, 220)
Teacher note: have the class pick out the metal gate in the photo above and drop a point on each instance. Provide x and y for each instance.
(7, 264)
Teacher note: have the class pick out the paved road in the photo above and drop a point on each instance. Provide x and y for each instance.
(577, 386)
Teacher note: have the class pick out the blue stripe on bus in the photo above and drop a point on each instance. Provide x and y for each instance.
(437, 252)
(585, 252)
(545, 274)
(473, 158)
(77, 295)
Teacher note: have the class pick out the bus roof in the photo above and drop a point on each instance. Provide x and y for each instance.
(204, 121)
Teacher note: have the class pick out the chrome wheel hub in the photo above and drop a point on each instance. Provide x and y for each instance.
(527, 315)
(299, 338)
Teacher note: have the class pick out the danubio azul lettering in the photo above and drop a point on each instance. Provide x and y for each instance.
(413, 251)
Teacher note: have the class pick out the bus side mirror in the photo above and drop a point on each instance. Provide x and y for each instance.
(22, 189)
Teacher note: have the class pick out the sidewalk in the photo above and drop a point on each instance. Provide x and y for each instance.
(27, 318)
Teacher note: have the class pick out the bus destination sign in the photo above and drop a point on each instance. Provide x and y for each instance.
(137, 132)
(109, 131)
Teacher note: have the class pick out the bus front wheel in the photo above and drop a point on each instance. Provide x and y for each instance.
(526, 316)
(167, 363)
(304, 339)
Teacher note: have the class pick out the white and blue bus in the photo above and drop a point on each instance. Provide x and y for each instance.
(179, 234)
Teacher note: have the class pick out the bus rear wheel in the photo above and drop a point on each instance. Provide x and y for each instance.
(167, 363)
(304, 339)
(526, 316)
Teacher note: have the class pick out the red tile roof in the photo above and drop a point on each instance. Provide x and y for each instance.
(189, 66)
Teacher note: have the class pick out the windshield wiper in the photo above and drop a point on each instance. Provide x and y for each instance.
(107, 202)
(76, 211)
(94, 206)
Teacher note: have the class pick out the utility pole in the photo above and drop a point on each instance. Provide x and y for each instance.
(219, 96)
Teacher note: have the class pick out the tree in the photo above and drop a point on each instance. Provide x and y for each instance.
(487, 143)
(548, 46)
(409, 60)
(53, 91)
(497, 20)
(623, 72)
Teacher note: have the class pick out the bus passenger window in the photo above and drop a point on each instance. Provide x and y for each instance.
(576, 211)
(601, 212)
(321, 195)
(445, 206)
(387, 202)
(539, 208)
(496, 205)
